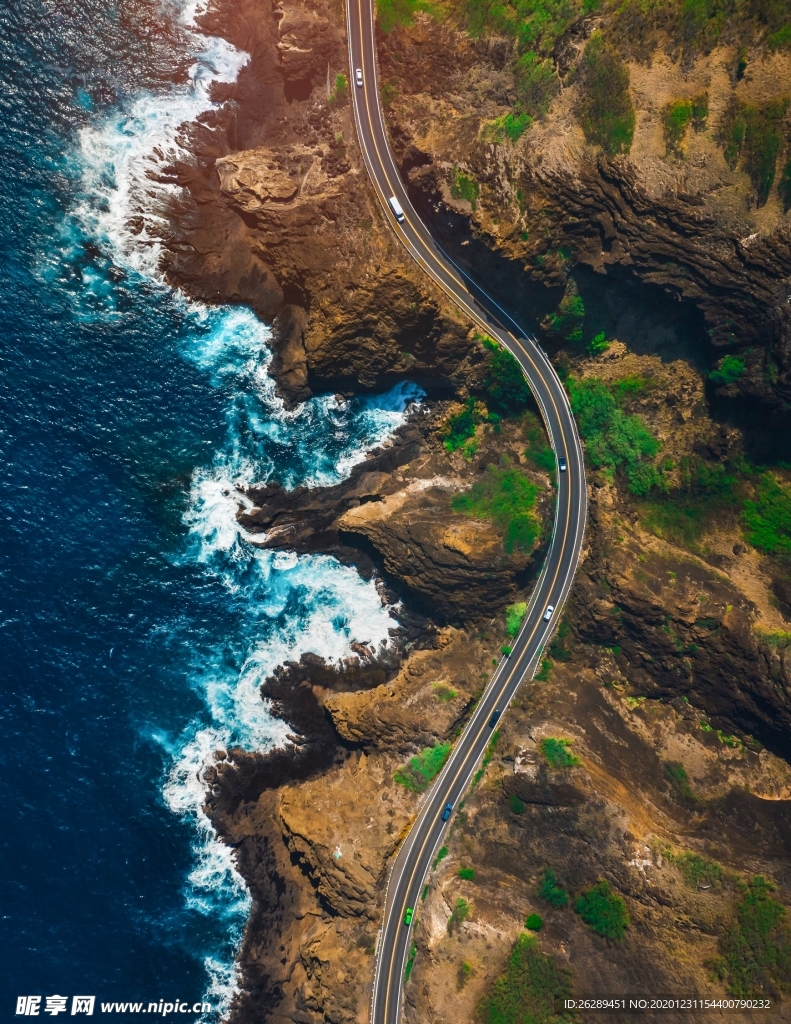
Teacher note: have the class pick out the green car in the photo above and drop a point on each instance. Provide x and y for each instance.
(408, 915)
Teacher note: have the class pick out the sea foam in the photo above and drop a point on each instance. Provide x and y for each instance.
(284, 605)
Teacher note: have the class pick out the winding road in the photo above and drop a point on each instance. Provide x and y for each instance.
(416, 854)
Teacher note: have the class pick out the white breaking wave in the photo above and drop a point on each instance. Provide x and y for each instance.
(286, 605)
(122, 157)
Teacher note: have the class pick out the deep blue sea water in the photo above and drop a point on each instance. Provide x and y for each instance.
(136, 622)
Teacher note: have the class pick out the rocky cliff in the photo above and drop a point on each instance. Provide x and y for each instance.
(636, 800)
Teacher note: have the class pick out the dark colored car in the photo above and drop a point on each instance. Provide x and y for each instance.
(562, 463)
(408, 915)
(494, 719)
(447, 812)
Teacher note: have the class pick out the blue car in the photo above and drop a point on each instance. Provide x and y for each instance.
(447, 812)
(494, 719)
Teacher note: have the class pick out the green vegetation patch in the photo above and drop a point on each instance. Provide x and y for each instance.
(419, 771)
(534, 923)
(755, 948)
(676, 775)
(705, 495)
(468, 874)
(536, 84)
(529, 989)
(613, 439)
(568, 317)
(598, 344)
(506, 390)
(516, 803)
(459, 915)
(388, 91)
(557, 753)
(538, 450)
(767, 518)
(551, 891)
(410, 962)
(506, 497)
(514, 614)
(731, 368)
(698, 872)
(445, 693)
(560, 646)
(460, 427)
(607, 112)
(465, 187)
(535, 24)
(679, 115)
(752, 137)
(340, 90)
(442, 853)
(604, 911)
(393, 14)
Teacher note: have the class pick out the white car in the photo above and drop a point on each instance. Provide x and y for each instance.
(549, 612)
(395, 206)
(358, 77)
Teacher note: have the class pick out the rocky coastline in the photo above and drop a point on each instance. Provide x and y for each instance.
(667, 678)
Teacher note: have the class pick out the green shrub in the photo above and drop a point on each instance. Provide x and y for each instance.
(388, 91)
(697, 870)
(516, 124)
(507, 498)
(767, 518)
(603, 911)
(465, 187)
(410, 962)
(460, 914)
(676, 118)
(551, 891)
(461, 427)
(613, 440)
(506, 390)
(556, 753)
(679, 115)
(752, 136)
(534, 923)
(516, 803)
(568, 317)
(607, 111)
(598, 344)
(730, 369)
(529, 989)
(676, 775)
(756, 947)
(340, 90)
(419, 771)
(514, 614)
(490, 747)
(445, 693)
(780, 39)
(442, 853)
(536, 83)
(468, 874)
(544, 672)
(560, 645)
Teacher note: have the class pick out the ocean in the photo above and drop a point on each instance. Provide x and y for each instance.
(137, 622)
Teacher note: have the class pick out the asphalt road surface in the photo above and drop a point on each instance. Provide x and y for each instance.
(414, 859)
